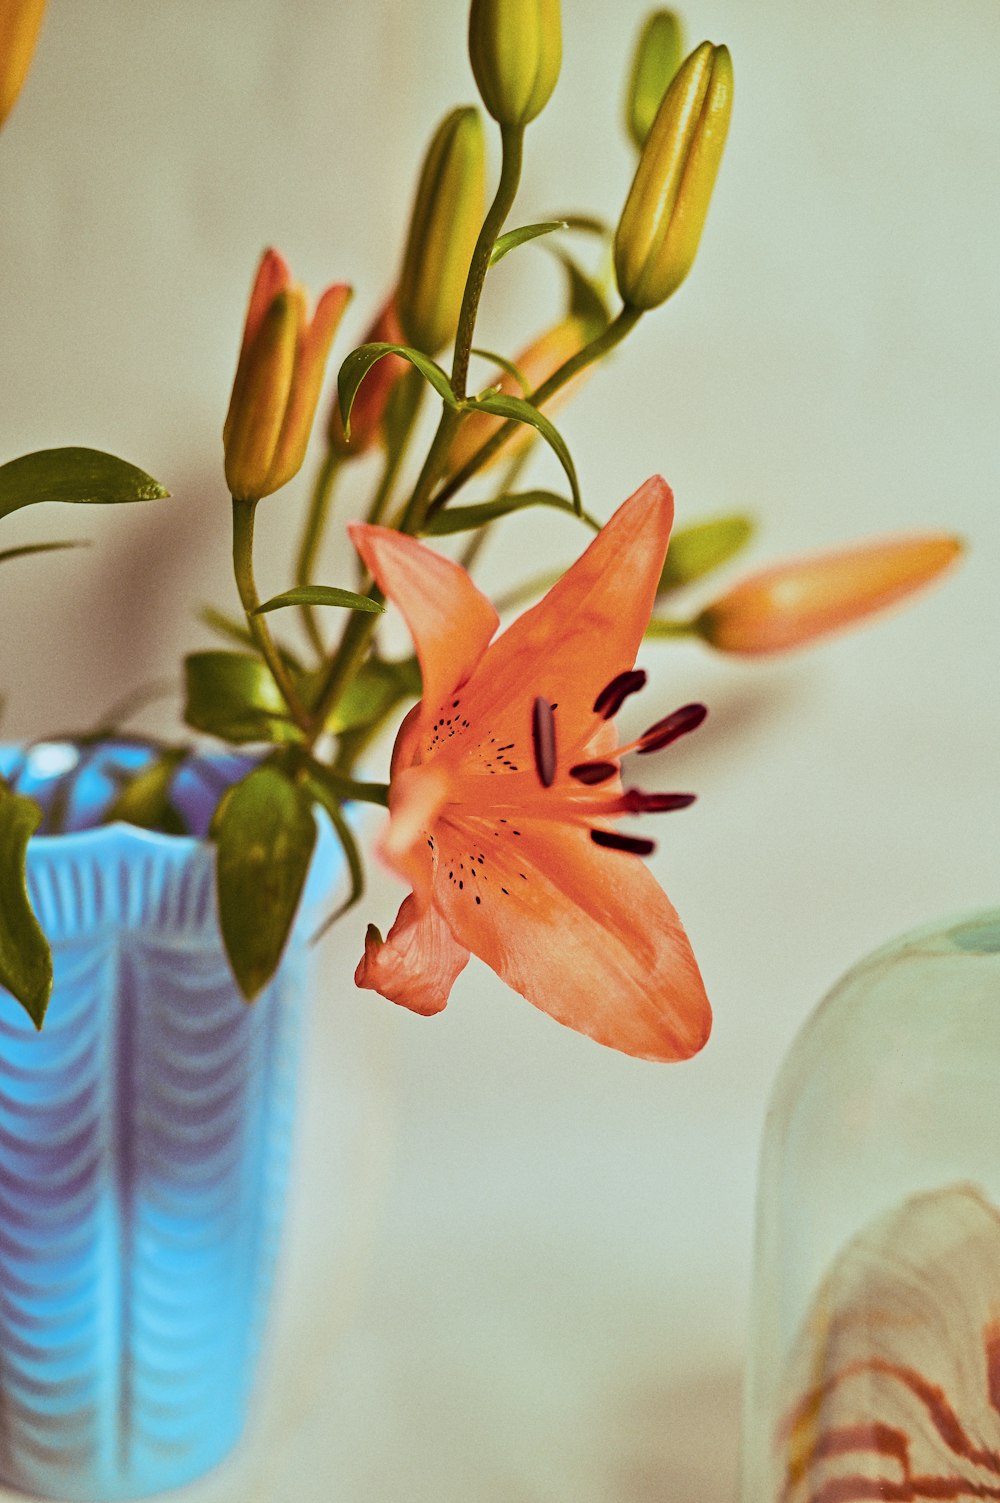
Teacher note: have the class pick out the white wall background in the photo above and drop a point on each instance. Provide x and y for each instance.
(554, 1243)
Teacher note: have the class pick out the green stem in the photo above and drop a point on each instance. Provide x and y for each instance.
(243, 520)
(512, 138)
(659, 627)
(613, 335)
(312, 537)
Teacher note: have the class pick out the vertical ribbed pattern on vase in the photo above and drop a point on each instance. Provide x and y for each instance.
(144, 1142)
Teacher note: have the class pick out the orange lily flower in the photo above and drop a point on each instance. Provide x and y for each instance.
(800, 601)
(278, 379)
(505, 786)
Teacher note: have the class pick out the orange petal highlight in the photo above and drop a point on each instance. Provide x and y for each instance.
(585, 934)
(20, 21)
(798, 602)
(417, 964)
(449, 619)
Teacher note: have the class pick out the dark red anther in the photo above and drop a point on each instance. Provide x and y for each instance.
(593, 772)
(671, 728)
(638, 802)
(635, 845)
(543, 740)
(614, 695)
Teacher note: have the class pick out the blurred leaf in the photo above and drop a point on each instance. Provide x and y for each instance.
(359, 362)
(505, 365)
(144, 799)
(697, 550)
(463, 518)
(238, 631)
(25, 957)
(585, 299)
(513, 238)
(516, 409)
(328, 800)
(26, 549)
(264, 833)
(80, 475)
(376, 689)
(321, 595)
(232, 695)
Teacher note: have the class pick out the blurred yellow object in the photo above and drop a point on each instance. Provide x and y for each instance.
(19, 25)
(447, 215)
(515, 47)
(664, 214)
(536, 363)
(278, 380)
(797, 602)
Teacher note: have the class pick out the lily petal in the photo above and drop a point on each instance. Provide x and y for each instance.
(583, 933)
(585, 631)
(450, 620)
(417, 964)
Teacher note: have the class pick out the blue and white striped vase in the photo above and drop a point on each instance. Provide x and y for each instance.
(144, 1149)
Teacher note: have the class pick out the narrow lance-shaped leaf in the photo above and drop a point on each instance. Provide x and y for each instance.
(585, 299)
(25, 957)
(145, 799)
(453, 519)
(698, 550)
(321, 595)
(265, 833)
(513, 238)
(85, 476)
(329, 801)
(27, 549)
(360, 361)
(232, 695)
(505, 365)
(519, 411)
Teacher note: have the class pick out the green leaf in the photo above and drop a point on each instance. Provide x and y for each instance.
(505, 365)
(585, 299)
(26, 549)
(320, 595)
(514, 238)
(25, 957)
(238, 631)
(328, 800)
(697, 550)
(264, 833)
(360, 361)
(588, 224)
(463, 518)
(145, 800)
(232, 695)
(80, 475)
(516, 409)
(377, 688)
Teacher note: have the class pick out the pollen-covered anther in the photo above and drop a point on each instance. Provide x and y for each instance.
(634, 845)
(679, 723)
(614, 694)
(591, 773)
(636, 801)
(543, 741)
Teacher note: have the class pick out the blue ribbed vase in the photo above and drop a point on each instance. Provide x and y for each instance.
(144, 1148)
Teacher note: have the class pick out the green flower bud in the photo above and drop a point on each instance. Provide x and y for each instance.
(664, 214)
(515, 47)
(657, 56)
(447, 215)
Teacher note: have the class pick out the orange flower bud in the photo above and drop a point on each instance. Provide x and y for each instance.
(374, 392)
(278, 379)
(536, 363)
(798, 602)
(19, 24)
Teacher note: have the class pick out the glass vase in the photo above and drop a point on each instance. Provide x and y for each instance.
(144, 1147)
(874, 1367)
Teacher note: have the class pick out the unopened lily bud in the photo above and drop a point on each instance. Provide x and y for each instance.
(447, 215)
(794, 603)
(658, 54)
(515, 47)
(19, 24)
(664, 214)
(536, 363)
(372, 397)
(278, 380)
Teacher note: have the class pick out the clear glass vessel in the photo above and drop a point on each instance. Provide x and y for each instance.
(874, 1368)
(144, 1147)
